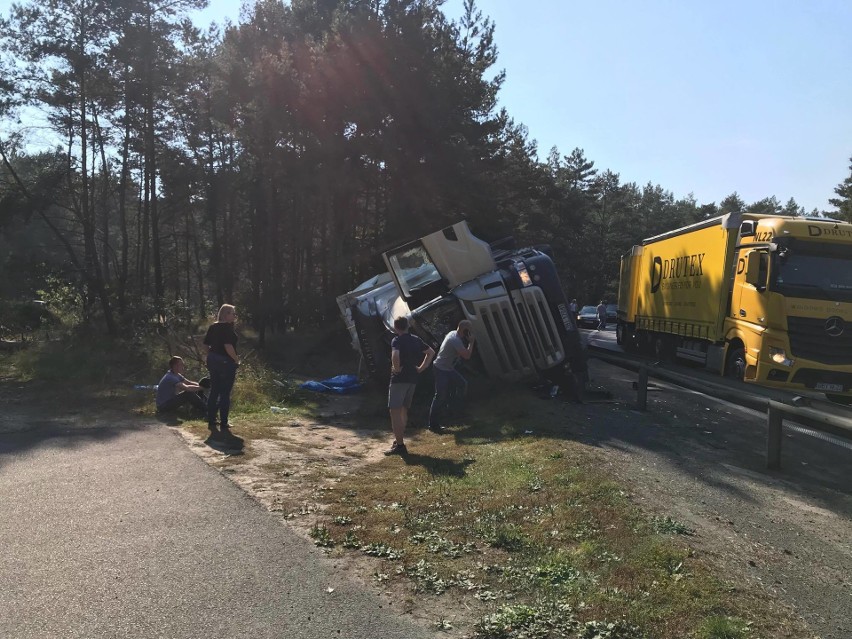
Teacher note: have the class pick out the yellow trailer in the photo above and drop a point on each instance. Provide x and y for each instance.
(767, 299)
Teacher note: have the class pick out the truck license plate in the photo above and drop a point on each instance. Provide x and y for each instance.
(835, 388)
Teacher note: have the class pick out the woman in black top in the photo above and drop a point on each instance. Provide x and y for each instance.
(222, 362)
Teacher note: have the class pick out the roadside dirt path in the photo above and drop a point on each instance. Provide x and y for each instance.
(305, 456)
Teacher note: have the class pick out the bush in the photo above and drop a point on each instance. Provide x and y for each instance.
(23, 318)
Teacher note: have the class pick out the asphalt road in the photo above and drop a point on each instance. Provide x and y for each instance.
(118, 530)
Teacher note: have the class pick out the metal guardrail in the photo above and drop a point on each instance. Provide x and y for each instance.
(816, 420)
(768, 401)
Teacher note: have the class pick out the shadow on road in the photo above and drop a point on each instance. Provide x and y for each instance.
(438, 466)
(708, 437)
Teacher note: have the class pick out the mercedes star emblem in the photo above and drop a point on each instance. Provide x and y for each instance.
(834, 326)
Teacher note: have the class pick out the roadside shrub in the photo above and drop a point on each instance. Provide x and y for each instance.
(85, 359)
(723, 628)
(529, 622)
(668, 526)
(22, 318)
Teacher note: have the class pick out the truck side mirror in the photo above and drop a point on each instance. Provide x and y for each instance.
(747, 228)
(756, 269)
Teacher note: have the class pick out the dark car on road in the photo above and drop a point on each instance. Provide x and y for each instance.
(587, 317)
(611, 313)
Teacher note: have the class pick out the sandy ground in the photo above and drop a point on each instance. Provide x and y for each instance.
(285, 473)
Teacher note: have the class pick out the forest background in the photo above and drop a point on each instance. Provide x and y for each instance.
(268, 163)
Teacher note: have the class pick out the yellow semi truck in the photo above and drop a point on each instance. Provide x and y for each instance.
(763, 298)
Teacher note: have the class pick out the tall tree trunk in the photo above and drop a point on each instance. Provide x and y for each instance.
(199, 271)
(92, 270)
(145, 257)
(151, 163)
(122, 201)
(106, 248)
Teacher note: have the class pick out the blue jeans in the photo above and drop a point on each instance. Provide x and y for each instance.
(222, 376)
(449, 385)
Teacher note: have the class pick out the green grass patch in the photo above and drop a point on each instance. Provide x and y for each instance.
(543, 545)
(668, 526)
(87, 361)
(724, 628)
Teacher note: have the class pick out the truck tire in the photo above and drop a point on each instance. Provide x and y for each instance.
(663, 348)
(626, 338)
(644, 343)
(736, 364)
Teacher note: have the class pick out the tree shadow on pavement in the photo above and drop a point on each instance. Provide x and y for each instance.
(31, 433)
(40, 415)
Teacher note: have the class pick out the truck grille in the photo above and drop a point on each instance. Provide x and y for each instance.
(523, 338)
(539, 327)
(808, 339)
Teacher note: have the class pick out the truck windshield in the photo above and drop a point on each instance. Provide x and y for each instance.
(814, 271)
(413, 268)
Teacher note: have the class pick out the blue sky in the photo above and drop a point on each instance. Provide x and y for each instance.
(699, 97)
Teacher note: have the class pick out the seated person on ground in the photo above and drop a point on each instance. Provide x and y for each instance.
(175, 390)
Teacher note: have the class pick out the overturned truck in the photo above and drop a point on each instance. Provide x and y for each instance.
(512, 298)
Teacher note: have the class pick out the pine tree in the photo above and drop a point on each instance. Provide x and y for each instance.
(843, 201)
(60, 50)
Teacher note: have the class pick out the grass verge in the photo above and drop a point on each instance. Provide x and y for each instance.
(530, 531)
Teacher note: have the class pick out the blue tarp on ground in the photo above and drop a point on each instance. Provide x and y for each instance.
(340, 384)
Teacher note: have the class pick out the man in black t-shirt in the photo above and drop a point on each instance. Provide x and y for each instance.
(410, 356)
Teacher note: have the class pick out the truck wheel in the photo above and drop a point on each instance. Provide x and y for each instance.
(644, 343)
(736, 365)
(628, 340)
(663, 348)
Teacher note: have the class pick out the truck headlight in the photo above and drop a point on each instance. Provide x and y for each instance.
(521, 268)
(779, 356)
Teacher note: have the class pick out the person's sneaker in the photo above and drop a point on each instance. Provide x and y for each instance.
(397, 449)
(438, 430)
(215, 435)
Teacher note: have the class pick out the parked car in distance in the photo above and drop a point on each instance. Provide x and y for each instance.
(587, 317)
(611, 313)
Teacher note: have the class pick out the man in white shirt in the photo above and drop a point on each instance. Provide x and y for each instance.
(448, 381)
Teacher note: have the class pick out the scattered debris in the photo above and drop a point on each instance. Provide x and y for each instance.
(339, 384)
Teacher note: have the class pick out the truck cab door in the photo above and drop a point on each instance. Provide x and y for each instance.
(748, 303)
